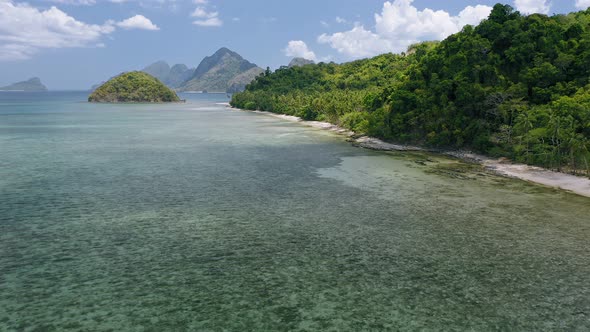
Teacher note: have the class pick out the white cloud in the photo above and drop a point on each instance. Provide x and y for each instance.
(357, 43)
(472, 15)
(206, 18)
(87, 2)
(399, 25)
(202, 13)
(143, 3)
(76, 2)
(9, 52)
(201, 2)
(299, 49)
(532, 6)
(138, 22)
(582, 4)
(24, 30)
(325, 24)
(340, 20)
(210, 22)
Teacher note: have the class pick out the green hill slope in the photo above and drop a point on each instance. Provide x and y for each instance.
(133, 87)
(514, 86)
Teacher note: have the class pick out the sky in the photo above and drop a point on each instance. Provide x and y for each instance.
(73, 44)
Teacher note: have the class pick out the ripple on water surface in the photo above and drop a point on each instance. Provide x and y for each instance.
(208, 219)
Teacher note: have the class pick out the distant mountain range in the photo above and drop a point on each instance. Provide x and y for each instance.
(32, 84)
(173, 76)
(224, 71)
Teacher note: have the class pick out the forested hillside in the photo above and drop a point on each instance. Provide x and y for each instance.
(133, 87)
(514, 86)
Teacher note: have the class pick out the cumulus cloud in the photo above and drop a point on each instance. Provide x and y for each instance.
(582, 4)
(202, 13)
(399, 25)
(10, 52)
(138, 22)
(87, 2)
(206, 18)
(145, 3)
(299, 49)
(210, 22)
(533, 6)
(76, 2)
(357, 43)
(24, 30)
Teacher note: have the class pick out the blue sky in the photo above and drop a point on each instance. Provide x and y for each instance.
(72, 44)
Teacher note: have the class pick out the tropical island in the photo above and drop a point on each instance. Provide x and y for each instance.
(32, 84)
(514, 86)
(133, 87)
(224, 71)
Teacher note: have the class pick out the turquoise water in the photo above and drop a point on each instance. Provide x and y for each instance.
(196, 217)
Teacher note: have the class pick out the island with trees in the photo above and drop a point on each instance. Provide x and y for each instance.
(133, 87)
(514, 86)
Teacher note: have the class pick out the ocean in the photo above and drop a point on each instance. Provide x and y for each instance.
(197, 217)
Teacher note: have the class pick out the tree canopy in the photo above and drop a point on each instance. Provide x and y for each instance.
(514, 86)
(134, 86)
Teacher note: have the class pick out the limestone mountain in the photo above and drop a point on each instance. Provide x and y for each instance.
(238, 83)
(32, 84)
(172, 77)
(223, 71)
(159, 70)
(178, 75)
(133, 87)
(298, 62)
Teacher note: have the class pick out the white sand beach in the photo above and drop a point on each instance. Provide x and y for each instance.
(576, 184)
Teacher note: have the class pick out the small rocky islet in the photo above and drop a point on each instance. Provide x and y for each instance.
(31, 85)
(133, 87)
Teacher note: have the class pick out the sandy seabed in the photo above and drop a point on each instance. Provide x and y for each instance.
(575, 184)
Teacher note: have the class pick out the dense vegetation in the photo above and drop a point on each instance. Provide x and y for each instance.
(514, 86)
(134, 86)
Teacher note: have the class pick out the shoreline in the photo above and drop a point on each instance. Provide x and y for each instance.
(182, 101)
(572, 183)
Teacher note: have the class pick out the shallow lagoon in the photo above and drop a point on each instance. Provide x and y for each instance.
(195, 217)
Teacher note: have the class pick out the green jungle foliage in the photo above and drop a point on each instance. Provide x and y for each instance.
(514, 86)
(137, 87)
